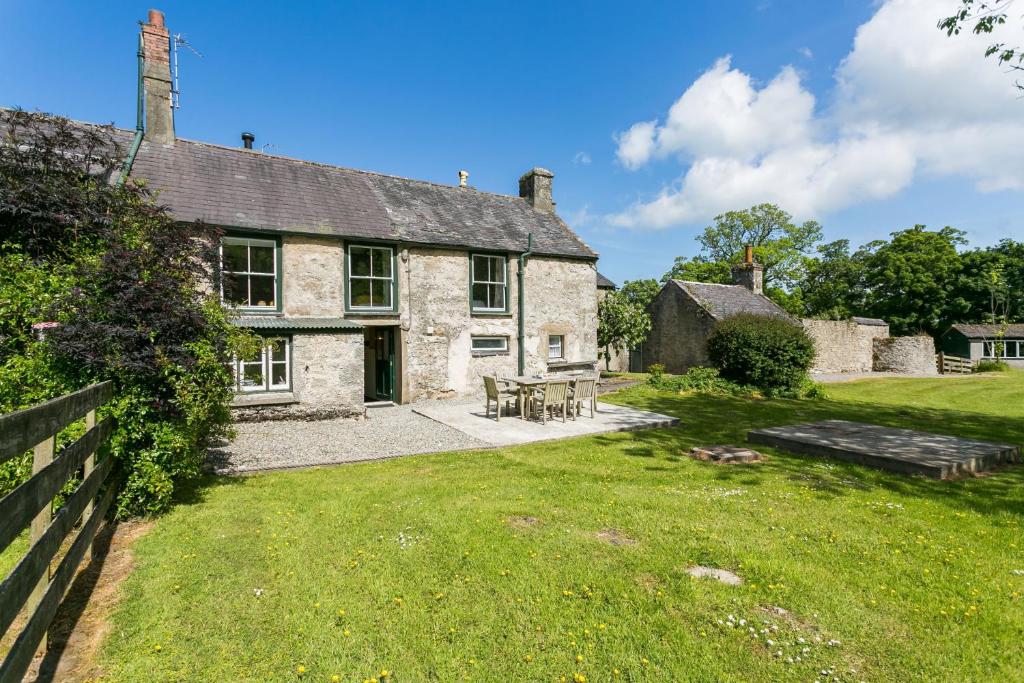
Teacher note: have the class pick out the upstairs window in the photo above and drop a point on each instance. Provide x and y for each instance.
(371, 280)
(489, 280)
(250, 277)
(270, 371)
(556, 347)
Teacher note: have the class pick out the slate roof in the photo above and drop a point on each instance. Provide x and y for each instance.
(283, 324)
(604, 283)
(723, 301)
(236, 187)
(877, 322)
(989, 331)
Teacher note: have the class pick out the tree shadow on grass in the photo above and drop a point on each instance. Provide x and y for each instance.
(713, 420)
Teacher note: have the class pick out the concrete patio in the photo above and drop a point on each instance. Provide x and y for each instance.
(469, 418)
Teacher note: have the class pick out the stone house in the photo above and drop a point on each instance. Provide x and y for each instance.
(370, 287)
(684, 313)
(985, 342)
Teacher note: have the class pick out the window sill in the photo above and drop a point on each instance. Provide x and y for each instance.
(264, 398)
(359, 311)
(562, 364)
(482, 354)
(490, 314)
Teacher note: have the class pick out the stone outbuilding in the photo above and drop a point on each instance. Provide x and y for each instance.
(684, 313)
(986, 342)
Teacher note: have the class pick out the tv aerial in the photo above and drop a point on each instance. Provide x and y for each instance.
(177, 41)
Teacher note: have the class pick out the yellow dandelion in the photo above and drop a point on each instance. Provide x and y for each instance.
(157, 648)
(335, 678)
(341, 613)
(346, 633)
(579, 659)
(384, 673)
(528, 658)
(579, 678)
(300, 669)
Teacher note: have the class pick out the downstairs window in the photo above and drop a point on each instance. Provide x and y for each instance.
(270, 371)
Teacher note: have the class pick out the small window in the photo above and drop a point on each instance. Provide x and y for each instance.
(250, 275)
(489, 278)
(270, 371)
(1009, 348)
(490, 344)
(556, 344)
(371, 278)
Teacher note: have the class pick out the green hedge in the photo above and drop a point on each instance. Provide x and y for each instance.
(772, 354)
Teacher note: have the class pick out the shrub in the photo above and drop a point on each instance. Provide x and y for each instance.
(772, 354)
(657, 372)
(991, 366)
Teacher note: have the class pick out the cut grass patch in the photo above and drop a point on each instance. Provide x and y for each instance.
(426, 566)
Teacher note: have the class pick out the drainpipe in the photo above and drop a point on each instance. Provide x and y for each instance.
(522, 303)
(137, 140)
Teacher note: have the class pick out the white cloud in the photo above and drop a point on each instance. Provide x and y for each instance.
(581, 159)
(806, 52)
(908, 102)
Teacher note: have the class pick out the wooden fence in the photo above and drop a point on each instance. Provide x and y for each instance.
(954, 365)
(34, 581)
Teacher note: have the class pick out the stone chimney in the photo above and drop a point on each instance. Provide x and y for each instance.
(748, 273)
(156, 80)
(535, 187)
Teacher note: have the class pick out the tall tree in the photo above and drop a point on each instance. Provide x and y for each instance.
(911, 281)
(833, 286)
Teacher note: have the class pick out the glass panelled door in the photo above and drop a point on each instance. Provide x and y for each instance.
(384, 355)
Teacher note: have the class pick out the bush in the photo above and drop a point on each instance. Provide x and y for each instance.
(991, 366)
(772, 354)
(657, 372)
(702, 380)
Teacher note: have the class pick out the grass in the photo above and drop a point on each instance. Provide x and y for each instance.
(568, 560)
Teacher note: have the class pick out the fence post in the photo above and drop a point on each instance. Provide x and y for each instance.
(42, 455)
(942, 363)
(90, 465)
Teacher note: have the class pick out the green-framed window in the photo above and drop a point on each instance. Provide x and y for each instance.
(271, 370)
(371, 281)
(489, 344)
(488, 283)
(250, 272)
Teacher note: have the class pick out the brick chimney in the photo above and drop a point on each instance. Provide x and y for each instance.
(535, 187)
(748, 273)
(156, 80)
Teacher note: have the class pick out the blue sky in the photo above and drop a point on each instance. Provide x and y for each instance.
(425, 89)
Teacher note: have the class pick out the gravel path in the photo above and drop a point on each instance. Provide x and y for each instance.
(385, 433)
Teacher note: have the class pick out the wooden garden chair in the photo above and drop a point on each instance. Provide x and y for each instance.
(494, 393)
(552, 395)
(584, 389)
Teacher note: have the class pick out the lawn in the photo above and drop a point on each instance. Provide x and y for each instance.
(565, 561)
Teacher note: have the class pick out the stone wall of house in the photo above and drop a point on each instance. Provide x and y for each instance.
(434, 308)
(843, 345)
(679, 331)
(905, 355)
(327, 380)
(312, 281)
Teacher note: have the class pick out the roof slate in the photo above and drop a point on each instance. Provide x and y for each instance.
(282, 324)
(604, 283)
(240, 188)
(723, 301)
(989, 331)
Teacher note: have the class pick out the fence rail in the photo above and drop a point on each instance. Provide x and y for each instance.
(954, 365)
(33, 581)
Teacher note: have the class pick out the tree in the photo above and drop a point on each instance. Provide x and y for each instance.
(832, 286)
(911, 280)
(699, 269)
(986, 15)
(623, 321)
(122, 289)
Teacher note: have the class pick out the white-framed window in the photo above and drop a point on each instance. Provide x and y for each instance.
(482, 344)
(1005, 348)
(556, 346)
(488, 283)
(249, 272)
(270, 371)
(371, 278)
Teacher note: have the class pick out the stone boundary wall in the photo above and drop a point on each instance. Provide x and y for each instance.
(905, 355)
(843, 345)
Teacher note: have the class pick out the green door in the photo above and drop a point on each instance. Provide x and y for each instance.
(384, 352)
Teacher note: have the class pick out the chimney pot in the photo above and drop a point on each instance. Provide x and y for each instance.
(248, 139)
(749, 274)
(535, 188)
(156, 17)
(463, 178)
(748, 254)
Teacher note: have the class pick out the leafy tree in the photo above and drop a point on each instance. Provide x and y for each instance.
(123, 289)
(911, 281)
(699, 269)
(623, 321)
(832, 286)
(992, 283)
(986, 16)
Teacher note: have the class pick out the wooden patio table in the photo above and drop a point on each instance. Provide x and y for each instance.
(527, 383)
